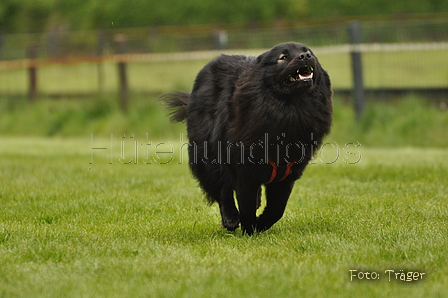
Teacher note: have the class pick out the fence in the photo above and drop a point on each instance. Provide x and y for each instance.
(397, 57)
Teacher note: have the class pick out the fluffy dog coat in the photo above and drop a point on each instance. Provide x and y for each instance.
(254, 121)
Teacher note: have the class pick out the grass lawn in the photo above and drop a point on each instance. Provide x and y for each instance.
(69, 228)
(381, 70)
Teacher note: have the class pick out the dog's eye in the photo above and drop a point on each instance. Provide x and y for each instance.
(283, 57)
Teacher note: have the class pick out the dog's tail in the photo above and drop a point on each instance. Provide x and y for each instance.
(176, 102)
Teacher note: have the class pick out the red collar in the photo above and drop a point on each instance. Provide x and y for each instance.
(275, 169)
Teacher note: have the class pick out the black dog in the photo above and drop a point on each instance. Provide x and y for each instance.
(253, 122)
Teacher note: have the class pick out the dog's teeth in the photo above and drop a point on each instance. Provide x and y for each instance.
(310, 76)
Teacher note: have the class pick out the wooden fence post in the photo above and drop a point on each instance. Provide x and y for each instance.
(221, 40)
(354, 30)
(120, 41)
(32, 73)
(2, 41)
(100, 66)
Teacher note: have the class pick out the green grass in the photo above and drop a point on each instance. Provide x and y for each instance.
(408, 122)
(69, 228)
(83, 78)
(74, 225)
(384, 69)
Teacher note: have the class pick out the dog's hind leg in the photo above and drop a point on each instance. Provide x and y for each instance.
(277, 195)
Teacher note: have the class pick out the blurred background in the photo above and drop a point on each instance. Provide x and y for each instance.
(72, 67)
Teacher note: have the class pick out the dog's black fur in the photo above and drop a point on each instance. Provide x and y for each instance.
(246, 116)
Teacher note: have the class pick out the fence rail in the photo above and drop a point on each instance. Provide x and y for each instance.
(399, 57)
(432, 60)
(211, 54)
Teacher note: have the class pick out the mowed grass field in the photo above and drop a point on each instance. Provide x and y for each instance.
(79, 222)
(129, 220)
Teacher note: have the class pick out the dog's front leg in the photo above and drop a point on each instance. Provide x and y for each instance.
(247, 193)
(277, 195)
(229, 214)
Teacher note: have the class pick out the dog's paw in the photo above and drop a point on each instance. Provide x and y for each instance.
(231, 223)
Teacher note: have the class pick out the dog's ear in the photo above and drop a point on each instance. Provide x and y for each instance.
(260, 58)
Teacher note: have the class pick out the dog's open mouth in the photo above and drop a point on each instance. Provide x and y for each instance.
(304, 73)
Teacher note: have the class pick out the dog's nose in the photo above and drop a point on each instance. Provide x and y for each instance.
(305, 56)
